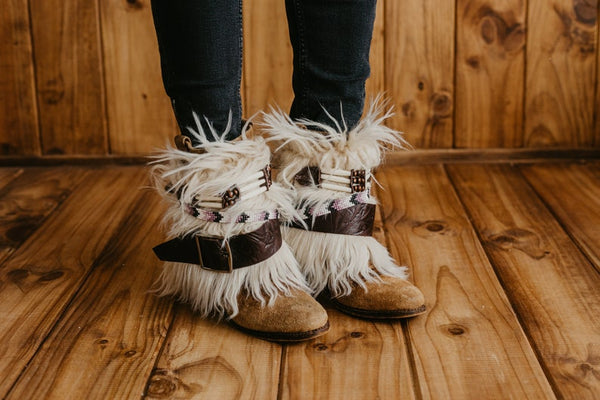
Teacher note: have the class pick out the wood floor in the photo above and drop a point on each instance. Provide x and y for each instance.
(508, 257)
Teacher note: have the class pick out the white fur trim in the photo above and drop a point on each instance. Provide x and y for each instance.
(337, 261)
(331, 260)
(221, 165)
(306, 143)
(213, 293)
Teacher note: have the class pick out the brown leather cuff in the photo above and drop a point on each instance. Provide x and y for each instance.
(356, 220)
(237, 252)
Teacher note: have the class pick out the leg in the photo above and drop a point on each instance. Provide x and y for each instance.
(200, 44)
(331, 41)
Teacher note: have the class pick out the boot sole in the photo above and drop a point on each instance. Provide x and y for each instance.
(285, 337)
(379, 314)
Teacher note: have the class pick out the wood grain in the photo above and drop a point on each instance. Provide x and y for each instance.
(597, 108)
(490, 61)
(419, 69)
(106, 343)
(357, 359)
(26, 202)
(18, 109)
(267, 56)
(553, 287)
(140, 116)
(70, 86)
(203, 359)
(561, 66)
(573, 193)
(7, 175)
(470, 344)
(38, 281)
(524, 155)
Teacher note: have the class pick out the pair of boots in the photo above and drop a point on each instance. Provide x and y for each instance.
(254, 250)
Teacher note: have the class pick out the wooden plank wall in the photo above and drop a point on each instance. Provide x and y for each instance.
(83, 78)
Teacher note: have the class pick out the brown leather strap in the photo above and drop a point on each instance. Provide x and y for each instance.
(309, 176)
(356, 220)
(238, 251)
(184, 143)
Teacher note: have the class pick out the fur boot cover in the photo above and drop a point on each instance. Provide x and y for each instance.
(335, 261)
(210, 171)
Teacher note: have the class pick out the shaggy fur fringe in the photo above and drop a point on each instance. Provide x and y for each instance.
(336, 261)
(221, 165)
(339, 261)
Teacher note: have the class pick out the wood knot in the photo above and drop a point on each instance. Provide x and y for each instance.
(453, 329)
(473, 62)
(17, 275)
(409, 109)
(20, 232)
(7, 149)
(161, 386)
(356, 335)
(586, 12)
(577, 35)
(441, 103)
(51, 275)
(488, 30)
(505, 30)
(321, 347)
(134, 4)
(520, 239)
(102, 341)
(585, 368)
(421, 85)
(130, 353)
(432, 227)
(55, 151)
(53, 90)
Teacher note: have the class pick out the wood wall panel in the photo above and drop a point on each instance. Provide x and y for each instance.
(70, 85)
(490, 42)
(18, 111)
(140, 118)
(95, 72)
(419, 64)
(597, 109)
(561, 67)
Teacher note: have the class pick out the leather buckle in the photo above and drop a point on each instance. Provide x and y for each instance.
(223, 251)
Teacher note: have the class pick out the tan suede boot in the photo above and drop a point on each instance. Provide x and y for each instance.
(330, 173)
(227, 257)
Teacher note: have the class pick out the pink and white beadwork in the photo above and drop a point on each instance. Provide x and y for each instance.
(336, 204)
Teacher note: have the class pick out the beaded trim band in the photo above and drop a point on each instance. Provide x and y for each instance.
(226, 218)
(335, 205)
(252, 186)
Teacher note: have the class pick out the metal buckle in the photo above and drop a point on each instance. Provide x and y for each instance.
(226, 251)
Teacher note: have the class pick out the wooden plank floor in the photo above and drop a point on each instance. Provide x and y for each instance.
(507, 256)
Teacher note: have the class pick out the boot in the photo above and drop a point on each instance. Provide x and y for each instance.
(330, 171)
(227, 257)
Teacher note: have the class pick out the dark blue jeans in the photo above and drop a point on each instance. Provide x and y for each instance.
(200, 44)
